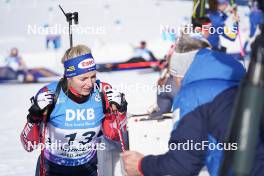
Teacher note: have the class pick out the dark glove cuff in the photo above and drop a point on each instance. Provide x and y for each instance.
(35, 110)
(123, 107)
(34, 119)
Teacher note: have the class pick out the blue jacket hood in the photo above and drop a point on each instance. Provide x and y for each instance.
(210, 64)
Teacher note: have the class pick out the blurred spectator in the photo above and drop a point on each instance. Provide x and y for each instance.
(15, 62)
(142, 54)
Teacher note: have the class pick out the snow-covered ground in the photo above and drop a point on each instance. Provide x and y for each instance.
(14, 105)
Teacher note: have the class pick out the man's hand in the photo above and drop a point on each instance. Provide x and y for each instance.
(132, 160)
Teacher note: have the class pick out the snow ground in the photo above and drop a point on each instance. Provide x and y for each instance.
(14, 105)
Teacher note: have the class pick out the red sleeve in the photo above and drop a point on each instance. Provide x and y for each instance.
(110, 126)
(30, 136)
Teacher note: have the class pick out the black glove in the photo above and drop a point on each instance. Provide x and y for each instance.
(118, 99)
(39, 104)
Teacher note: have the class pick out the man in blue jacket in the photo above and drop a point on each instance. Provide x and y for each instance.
(205, 102)
(218, 17)
(256, 20)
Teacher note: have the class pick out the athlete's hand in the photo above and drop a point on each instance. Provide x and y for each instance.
(110, 127)
(117, 100)
(39, 104)
(44, 99)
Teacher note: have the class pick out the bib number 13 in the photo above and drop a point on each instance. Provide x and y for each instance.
(87, 137)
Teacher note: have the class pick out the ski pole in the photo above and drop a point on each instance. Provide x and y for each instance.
(120, 132)
(43, 134)
(137, 115)
(242, 52)
(195, 8)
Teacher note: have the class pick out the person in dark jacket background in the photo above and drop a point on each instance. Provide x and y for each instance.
(218, 17)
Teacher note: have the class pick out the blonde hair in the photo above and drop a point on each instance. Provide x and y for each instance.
(75, 51)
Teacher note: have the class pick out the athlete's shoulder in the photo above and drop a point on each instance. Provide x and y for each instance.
(49, 87)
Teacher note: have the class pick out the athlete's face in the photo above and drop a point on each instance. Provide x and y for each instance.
(83, 83)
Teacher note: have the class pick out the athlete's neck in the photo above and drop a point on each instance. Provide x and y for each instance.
(73, 94)
(74, 91)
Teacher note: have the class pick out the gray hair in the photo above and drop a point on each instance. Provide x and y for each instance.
(186, 43)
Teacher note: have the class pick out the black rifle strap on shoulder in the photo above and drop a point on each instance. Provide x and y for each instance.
(56, 96)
